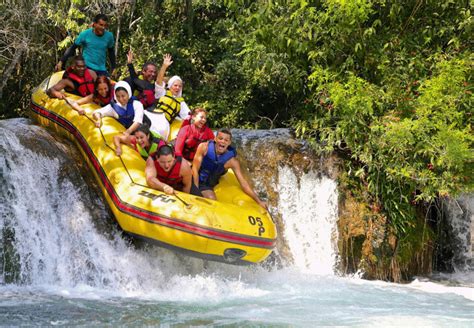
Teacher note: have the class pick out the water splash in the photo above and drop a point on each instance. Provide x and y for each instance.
(304, 196)
(309, 209)
(77, 269)
(56, 238)
(61, 240)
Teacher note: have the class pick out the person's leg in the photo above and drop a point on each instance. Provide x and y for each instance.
(195, 190)
(209, 194)
(159, 124)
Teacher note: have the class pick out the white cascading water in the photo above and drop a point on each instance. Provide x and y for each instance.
(460, 217)
(58, 243)
(77, 269)
(56, 240)
(308, 205)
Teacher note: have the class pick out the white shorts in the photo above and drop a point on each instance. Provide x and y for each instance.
(159, 124)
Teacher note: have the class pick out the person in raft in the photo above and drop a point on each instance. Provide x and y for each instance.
(95, 43)
(142, 140)
(143, 86)
(102, 96)
(124, 108)
(166, 172)
(192, 135)
(77, 79)
(212, 160)
(170, 102)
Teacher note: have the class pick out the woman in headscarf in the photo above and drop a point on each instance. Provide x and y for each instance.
(125, 108)
(170, 101)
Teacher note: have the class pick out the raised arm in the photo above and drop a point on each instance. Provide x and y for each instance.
(235, 166)
(167, 61)
(131, 69)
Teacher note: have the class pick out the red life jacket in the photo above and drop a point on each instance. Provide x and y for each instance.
(104, 101)
(147, 97)
(186, 121)
(83, 85)
(194, 138)
(171, 178)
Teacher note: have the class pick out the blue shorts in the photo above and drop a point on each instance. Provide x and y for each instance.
(99, 73)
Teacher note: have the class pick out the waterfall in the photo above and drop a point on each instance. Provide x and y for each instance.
(309, 209)
(305, 194)
(53, 229)
(460, 218)
(56, 230)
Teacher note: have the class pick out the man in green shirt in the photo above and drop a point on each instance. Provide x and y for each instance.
(95, 43)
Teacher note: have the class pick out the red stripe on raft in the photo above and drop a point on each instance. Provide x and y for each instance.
(249, 241)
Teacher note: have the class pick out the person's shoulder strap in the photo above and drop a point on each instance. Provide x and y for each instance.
(233, 150)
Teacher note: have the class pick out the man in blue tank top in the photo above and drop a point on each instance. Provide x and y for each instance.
(95, 43)
(212, 160)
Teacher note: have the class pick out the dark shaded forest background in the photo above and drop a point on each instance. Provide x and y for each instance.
(387, 85)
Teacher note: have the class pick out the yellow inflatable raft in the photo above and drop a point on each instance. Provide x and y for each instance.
(233, 230)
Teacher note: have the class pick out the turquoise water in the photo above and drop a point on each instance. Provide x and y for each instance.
(75, 268)
(262, 298)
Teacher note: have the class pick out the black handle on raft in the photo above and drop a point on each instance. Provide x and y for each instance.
(182, 201)
(67, 101)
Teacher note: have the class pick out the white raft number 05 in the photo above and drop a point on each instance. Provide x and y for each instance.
(257, 221)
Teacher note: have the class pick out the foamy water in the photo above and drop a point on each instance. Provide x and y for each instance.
(309, 211)
(77, 268)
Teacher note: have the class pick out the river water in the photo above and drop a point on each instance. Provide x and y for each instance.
(65, 262)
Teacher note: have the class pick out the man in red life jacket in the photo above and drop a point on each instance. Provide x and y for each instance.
(166, 172)
(142, 87)
(77, 79)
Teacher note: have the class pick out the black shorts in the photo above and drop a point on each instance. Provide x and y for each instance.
(211, 181)
(204, 187)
